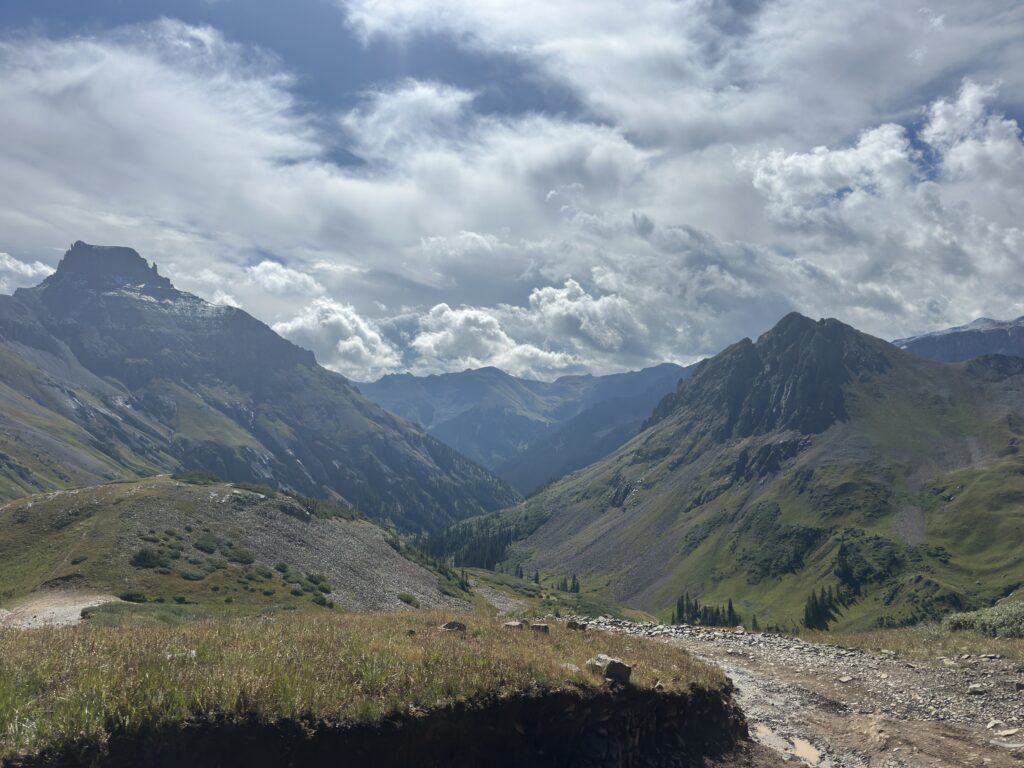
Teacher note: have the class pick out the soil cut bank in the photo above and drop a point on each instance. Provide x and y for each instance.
(616, 727)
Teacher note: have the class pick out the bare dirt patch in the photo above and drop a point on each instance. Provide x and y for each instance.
(50, 609)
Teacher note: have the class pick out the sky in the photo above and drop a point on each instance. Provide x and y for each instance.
(547, 187)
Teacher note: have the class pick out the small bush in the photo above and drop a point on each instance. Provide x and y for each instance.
(206, 542)
(408, 599)
(193, 575)
(1004, 620)
(281, 567)
(149, 558)
(297, 592)
(133, 597)
(78, 560)
(181, 600)
(320, 600)
(196, 477)
(239, 555)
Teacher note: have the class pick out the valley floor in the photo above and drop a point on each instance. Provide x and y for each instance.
(836, 708)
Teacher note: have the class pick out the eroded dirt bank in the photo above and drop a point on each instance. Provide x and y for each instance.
(620, 728)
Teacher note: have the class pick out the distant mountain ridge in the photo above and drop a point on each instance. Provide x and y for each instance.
(984, 336)
(528, 432)
(107, 371)
(815, 456)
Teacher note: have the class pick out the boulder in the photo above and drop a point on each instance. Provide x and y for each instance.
(977, 689)
(579, 626)
(615, 670)
(453, 626)
(514, 625)
(542, 628)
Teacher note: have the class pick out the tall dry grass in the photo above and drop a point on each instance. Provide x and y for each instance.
(58, 685)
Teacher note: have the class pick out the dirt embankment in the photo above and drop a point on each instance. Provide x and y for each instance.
(623, 727)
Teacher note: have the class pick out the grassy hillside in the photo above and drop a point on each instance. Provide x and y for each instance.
(817, 457)
(209, 546)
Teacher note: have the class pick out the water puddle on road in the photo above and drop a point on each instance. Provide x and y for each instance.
(805, 751)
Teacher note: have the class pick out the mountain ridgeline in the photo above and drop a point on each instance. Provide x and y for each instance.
(108, 372)
(982, 337)
(816, 456)
(528, 432)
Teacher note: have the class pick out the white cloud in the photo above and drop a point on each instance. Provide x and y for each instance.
(277, 278)
(342, 340)
(20, 274)
(456, 339)
(727, 162)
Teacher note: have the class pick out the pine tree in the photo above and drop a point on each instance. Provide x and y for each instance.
(731, 618)
(575, 586)
(754, 626)
(536, 577)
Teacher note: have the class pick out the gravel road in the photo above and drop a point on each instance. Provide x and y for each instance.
(831, 707)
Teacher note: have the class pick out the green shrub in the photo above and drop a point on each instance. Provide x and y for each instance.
(149, 558)
(263, 490)
(297, 592)
(408, 599)
(196, 477)
(133, 597)
(206, 542)
(190, 575)
(239, 555)
(1003, 620)
(78, 560)
(320, 600)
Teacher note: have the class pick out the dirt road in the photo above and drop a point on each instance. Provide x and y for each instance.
(834, 708)
(50, 609)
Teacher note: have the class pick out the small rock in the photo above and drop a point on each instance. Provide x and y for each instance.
(994, 724)
(410, 632)
(845, 679)
(659, 686)
(453, 626)
(515, 625)
(542, 628)
(579, 626)
(1007, 733)
(570, 667)
(1019, 686)
(977, 689)
(615, 670)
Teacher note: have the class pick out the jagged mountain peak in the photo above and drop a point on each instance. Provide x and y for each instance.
(791, 378)
(106, 266)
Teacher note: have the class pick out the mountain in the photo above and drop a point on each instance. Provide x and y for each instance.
(527, 432)
(200, 543)
(108, 372)
(965, 342)
(815, 457)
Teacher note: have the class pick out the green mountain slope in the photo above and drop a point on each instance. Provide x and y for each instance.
(208, 544)
(528, 432)
(815, 457)
(109, 372)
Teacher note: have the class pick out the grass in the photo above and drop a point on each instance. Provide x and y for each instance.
(1003, 620)
(925, 643)
(59, 685)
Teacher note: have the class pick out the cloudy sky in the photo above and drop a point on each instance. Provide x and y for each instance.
(546, 186)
